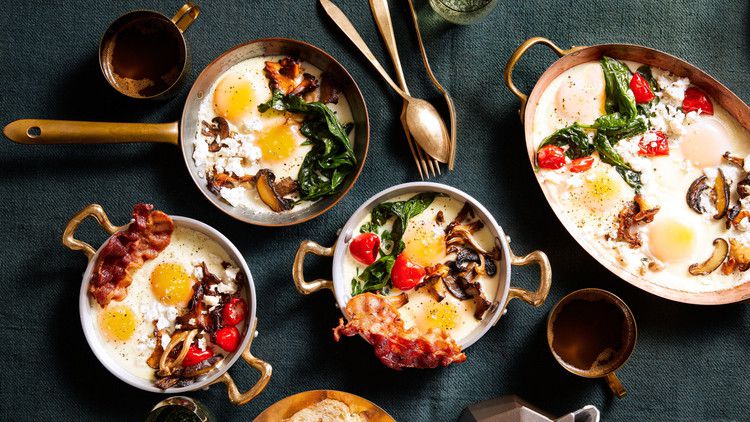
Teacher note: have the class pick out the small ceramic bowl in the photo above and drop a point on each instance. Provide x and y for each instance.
(505, 292)
(94, 338)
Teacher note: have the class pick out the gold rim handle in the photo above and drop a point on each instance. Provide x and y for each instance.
(187, 14)
(513, 60)
(307, 287)
(52, 132)
(535, 298)
(616, 386)
(265, 369)
(93, 210)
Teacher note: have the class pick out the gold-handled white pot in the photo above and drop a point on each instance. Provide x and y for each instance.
(505, 293)
(220, 374)
(578, 55)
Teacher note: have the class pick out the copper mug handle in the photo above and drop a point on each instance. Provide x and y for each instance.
(615, 385)
(93, 210)
(265, 369)
(303, 286)
(536, 297)
(516, 56)
(187, 14)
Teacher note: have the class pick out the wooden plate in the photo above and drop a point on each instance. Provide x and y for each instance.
(287, 407)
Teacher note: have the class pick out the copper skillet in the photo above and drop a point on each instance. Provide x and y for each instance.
(184, 133)
(577, 55)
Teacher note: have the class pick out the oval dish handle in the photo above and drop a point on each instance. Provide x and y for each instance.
(513, 60)
(265, 369)
(93, 210)
(307, 287)
(535, 298)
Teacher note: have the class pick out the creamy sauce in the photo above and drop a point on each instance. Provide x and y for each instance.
(423, 236)
(589, 202)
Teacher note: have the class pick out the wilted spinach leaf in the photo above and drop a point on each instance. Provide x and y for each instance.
(617, 84)
(615, 126)
(611, 157)
(377, 275)
(331, 158)
(578, 142)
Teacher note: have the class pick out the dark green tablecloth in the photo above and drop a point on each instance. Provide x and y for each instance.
(690, 362)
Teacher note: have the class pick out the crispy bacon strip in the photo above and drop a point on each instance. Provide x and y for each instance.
(282, 76)
(373, 317)
(128, 250)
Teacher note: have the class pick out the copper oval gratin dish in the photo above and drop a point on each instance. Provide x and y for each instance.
(184, 133)
(220, 374)
(582, 54)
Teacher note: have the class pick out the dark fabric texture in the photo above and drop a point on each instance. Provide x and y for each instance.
(690, 362)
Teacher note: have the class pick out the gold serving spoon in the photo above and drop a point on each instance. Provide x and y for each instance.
(423, 120)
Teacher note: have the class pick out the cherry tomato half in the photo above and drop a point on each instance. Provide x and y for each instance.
(551, 157)
(641, 89)
(581, 164)
(228, 338)
(695, 100)
(406, 274)
(234, 311)
(364, 248)
(195, 356)
(653, 143)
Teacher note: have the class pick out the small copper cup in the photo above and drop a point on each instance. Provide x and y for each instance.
(143, 54)
(592, 333)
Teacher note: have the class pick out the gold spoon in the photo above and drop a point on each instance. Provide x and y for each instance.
(423, 120)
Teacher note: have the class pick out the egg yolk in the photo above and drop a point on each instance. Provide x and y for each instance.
(278, 143)
(424, 246)
(581, 96)
(234, 98)
(601, 192)
(704, 142)
(442, 315)
(671, 240)
(171, 284)
(118, 322)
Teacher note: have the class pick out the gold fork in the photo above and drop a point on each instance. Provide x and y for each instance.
(382, 15)
(448, 99)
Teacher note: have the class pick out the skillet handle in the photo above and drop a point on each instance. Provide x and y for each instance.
(513, 60)
(52, 132)
(307, 287)
(93, 210)
(535, 298)
(265, 369)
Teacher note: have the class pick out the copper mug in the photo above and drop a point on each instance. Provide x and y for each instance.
(143, 54)
(592, 333)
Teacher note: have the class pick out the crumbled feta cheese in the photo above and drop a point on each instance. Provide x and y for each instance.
(672, 87)
(202, 343)
(165, 339)
(230, 273)
(235, 196)
(225, 288)
(211, 300)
